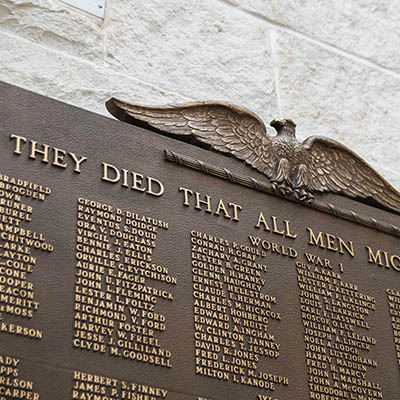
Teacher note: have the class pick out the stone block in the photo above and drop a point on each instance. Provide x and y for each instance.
(55, 25)
(201, 49)
(330, 95)
(367, 28)
(74, 81)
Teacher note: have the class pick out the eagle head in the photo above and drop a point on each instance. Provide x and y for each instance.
(284, 127)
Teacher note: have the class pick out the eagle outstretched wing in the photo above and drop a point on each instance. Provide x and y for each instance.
(224, 127)
(335, 168)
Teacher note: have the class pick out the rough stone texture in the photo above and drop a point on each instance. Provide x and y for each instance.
(200, 48)
(368, 28)
(329, 95)
(78, 82)
(220, 54)
(55, 25)
(308, 60)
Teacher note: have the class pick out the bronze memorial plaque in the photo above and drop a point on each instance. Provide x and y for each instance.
(224, 263)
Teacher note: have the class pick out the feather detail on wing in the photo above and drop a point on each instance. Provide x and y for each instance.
(224, 127)
(335, 168)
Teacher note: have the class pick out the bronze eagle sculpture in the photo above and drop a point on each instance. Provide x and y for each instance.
(319, 164)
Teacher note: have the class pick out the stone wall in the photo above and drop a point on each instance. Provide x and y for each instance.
(331, 66)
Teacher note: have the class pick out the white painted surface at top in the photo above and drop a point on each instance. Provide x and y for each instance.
(95, 7)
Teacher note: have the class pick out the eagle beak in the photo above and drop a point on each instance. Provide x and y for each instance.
(277, 124)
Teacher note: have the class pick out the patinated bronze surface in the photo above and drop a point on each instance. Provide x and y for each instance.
(136, 266)
(318, 164)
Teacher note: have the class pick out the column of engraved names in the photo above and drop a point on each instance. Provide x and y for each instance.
(12, 383)
(332, 311)
(394, 311)
(118, 285)
(88, 386)
(18, 247)
(232, 314)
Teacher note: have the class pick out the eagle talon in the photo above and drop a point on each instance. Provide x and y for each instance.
(318, 163)
(303, 195)
(282, 188)
(300, 194)
(310, 198)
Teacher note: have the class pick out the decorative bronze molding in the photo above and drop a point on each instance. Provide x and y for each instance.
(318, 164)
(252, 183)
